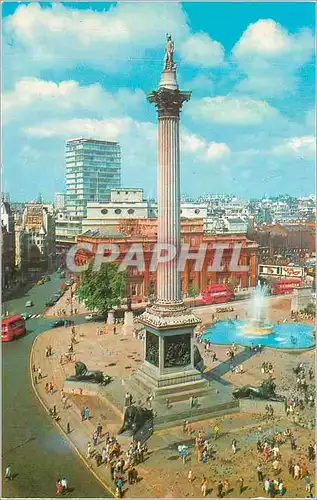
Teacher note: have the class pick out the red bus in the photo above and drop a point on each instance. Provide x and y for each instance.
(12, 327)
(217, 294)
(285, 285)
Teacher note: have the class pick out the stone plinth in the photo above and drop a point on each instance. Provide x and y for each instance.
(110, 319)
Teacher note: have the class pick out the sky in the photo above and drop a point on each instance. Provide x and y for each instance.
(84, 70)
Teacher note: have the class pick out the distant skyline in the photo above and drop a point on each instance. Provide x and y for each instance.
(83, 69)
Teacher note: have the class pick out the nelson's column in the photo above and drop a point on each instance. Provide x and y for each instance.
(168, 369)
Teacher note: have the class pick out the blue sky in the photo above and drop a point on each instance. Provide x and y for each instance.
(83, 69)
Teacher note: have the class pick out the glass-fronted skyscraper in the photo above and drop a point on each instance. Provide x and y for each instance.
(93, 168)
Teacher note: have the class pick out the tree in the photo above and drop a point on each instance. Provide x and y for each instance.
(192, 291)
(102, 290)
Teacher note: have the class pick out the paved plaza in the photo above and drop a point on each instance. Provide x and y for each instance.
(163, 473)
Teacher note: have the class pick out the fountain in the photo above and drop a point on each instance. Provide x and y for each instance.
(257, 313)
(257, 330)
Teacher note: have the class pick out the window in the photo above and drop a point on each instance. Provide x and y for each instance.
(104, 211)
(133, 289)
(197, 211)
(131, 211)
(127, 192)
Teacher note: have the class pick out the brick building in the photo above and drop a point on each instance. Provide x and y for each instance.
(144, 231)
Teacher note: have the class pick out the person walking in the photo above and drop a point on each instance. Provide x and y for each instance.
(260, 472)
(219, 490)
(203, 486)
(234, 446)
(8, 473)
(190, 476)
(266, 485)
(275, 465)
(308, 485)
(39, 373)
(241, 484)
(87, 412)
(296, 471)
(99, 430)
(68, 428)
(216, 429)
(89, 450)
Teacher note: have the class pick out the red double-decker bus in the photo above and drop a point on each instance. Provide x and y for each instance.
(12, 328)
(285, 286)
(217, 294)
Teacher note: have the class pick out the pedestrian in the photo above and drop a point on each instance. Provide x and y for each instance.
(58, 486)
(190, 476)
(219, 489)
(266, 485)
(39, 373)
(280, 488)
(184, 454)
(130, 476)
(241, 483)
(34, 368)
(87, 412)
(296, 471)
(167, 403)
(260, 472)
(99, 430)
(275, 465)
(68, 428)
(95, 438)
(8, 473)
(308, 486)
(119, 488)
(83, 415)
(234, 446)
(203, 486)
(46, 352)
(216, 429)
(293, 443)
(226, 487)
(191, 402)
(134, 475)
(98, 459)
(64, 401)
(64, 485)
(47, 387)
(89, 450)
(114, 330)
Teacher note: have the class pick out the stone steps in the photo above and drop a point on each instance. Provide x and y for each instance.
(170, 419)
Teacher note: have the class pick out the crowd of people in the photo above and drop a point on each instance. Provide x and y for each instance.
(112, 456)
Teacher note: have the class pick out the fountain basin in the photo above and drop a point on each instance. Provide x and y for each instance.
(286, 336)
(256, 330)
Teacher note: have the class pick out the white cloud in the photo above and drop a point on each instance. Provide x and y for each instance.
(217, 152)
(200, 50)
(43, 37)
(269, 56)
(109, 129)
(300, 147)
(192, 143)
(228, 110)
(36, 98)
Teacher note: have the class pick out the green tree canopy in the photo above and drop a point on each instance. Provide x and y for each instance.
(192, 291)
(102, 290)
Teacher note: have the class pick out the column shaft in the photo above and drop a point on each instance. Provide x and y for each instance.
(169, 279)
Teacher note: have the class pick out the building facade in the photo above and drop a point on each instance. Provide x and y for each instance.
(143, 285)
(93, 168)
(59, 201)
(8, 243)
(39, 227)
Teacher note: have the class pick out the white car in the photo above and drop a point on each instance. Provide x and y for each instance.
(93, 316)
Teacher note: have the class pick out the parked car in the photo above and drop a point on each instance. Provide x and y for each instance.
(40, 282)
(46, 279)
(57, 323)
(49, 302)
(29, 303)
(94, 317)
(25, 315)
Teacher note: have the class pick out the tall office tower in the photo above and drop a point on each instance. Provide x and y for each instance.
(93, 168)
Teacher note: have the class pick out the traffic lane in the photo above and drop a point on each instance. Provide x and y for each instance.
(38, 294)
(31, 443)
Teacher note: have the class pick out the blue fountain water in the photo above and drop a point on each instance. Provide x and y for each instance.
(284, 336)
(281, 336)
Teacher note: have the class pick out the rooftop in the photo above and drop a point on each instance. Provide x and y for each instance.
(96, 141)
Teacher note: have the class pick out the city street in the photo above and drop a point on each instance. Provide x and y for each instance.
(32, 446)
